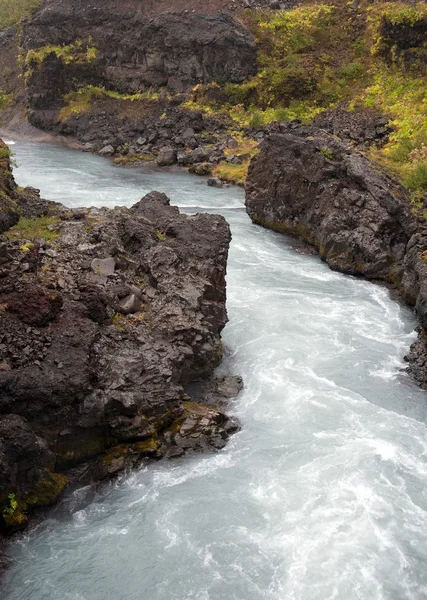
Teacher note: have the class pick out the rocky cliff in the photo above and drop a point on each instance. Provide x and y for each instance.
(105, 316)
(134, 51)
(306, 182)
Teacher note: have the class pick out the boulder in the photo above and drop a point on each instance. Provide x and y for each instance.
(166, 157)
(106, 150)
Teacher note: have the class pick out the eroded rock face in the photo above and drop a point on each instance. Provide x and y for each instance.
(134, 49)
(307, 183)
(114, 316)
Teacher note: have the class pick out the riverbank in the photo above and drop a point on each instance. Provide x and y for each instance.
(332, 438)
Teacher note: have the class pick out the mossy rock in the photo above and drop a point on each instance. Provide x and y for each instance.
(15, 522)
(146, 447)
(47, 491)
(117, 455)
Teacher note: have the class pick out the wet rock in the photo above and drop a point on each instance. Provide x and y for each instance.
(229, 386)
(215, 182)
(173, 49)
(200, 169)
(90, 373)
(130, 304)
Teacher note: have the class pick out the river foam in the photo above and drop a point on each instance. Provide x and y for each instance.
(321, 496)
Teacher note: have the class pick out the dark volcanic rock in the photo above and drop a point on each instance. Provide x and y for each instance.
(403, 41)
(305, 182)
(113, 318)
(176, 50)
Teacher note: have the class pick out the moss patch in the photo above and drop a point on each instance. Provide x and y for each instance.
(47, 491)
(39, 227)
(232, 173)
(79, 52)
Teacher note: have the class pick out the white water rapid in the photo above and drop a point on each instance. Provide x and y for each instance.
(321, 496)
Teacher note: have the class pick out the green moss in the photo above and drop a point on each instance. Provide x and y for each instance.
(5, 100)
(80, 101)
(326, 152)
(30, 229)
(128, 160)
(11, 505)
(46, 491)
(78, 52)
(144, 448)
(417, 177)
(233, 173)
(15, 522)
(5, 154)
(295, 230)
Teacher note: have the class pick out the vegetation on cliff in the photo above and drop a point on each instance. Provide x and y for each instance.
(320, 56)
(12, 11)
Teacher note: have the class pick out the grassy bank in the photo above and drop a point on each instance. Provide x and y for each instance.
(321, 56)
(12, 11)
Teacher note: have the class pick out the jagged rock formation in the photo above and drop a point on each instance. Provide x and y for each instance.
(105, 316)
(307, 183)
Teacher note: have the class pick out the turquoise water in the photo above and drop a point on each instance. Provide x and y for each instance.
(321, 496)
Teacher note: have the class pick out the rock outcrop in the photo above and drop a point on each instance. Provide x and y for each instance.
(105, 316)
(132, 51)
(308, 183)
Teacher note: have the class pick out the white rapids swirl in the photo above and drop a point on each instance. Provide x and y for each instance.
(321, 496)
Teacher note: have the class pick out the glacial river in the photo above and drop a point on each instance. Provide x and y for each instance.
(321, 496)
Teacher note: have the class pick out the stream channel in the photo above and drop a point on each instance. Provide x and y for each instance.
(321, 496)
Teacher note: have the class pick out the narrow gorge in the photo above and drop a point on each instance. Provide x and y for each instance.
(213, 301)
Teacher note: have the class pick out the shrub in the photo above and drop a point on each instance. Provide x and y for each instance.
(12, 505)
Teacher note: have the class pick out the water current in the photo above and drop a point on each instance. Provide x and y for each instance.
(321, 496)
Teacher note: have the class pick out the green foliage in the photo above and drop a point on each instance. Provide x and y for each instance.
(5, 154)
(78, 52)
(326, 152)
(12, 506)
(80, 101)
(417, 177)
(396, 14)
(12, 11)
(4, 100)
(352, 72)
(310, 59)
(232, 173)
(138, 158)
(30, 229)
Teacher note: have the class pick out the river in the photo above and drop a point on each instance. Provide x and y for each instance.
(321, 496)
